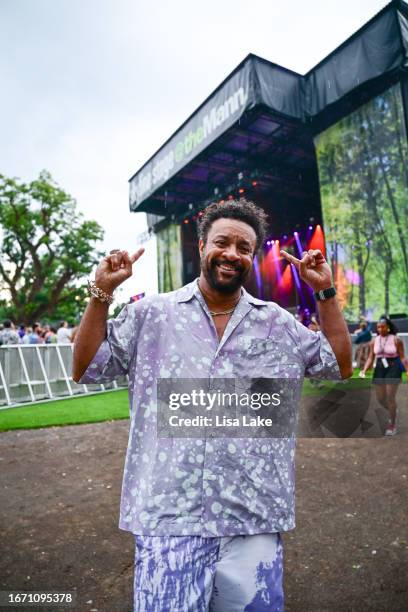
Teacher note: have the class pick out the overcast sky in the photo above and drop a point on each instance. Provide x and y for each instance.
(91, 88)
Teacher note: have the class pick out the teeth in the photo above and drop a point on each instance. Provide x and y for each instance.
(226, 267)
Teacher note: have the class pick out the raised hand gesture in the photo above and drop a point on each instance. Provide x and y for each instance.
(115, 268)
(312, 268)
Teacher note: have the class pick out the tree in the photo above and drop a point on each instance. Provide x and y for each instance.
(47, 248)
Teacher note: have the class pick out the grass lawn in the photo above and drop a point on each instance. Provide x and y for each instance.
(105, 406)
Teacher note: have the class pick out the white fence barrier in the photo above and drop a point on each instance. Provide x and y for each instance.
(35, 372)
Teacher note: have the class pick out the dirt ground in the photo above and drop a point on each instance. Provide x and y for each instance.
(60, 491)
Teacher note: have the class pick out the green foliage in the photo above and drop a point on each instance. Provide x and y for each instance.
(364, 186)
(169, 258)
(47, 248)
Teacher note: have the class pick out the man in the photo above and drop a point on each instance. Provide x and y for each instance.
(8, 334)
(362, 339)
(207, 513)
(35, 336)
(63, 333)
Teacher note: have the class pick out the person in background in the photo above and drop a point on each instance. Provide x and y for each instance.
(26, 338)
(45, 333)
(388, 351)
(362, 341)
(21, 332)
(63, 333)
(8, 335)
(34, 336)
(52, 336)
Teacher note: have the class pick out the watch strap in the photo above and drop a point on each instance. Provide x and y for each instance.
(325, 294)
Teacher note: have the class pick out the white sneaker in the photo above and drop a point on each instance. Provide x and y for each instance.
(391, 430)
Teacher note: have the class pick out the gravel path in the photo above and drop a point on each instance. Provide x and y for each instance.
(60, 491)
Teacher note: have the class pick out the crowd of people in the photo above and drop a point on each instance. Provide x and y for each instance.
(37, 334)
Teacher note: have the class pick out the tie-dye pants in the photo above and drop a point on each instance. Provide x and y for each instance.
(195, 574)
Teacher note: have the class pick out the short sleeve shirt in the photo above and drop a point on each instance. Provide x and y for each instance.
(208, 487)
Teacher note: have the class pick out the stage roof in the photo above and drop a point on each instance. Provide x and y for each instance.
(262, 118)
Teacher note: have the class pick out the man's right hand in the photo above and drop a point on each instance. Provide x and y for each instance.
(114, 269)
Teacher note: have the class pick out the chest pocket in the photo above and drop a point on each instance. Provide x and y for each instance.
(271, 355)
(260, 346)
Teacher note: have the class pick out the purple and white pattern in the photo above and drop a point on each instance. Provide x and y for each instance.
(196, 574)
(218, 487)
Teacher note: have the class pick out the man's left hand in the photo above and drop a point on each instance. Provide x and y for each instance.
(313, 268)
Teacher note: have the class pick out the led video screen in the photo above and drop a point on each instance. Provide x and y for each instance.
(363, 174)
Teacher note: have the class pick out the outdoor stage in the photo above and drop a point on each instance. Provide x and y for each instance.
(325, 154)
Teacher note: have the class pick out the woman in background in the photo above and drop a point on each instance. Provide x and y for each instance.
(388, 351)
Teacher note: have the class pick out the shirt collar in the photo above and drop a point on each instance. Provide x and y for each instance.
(186, 293)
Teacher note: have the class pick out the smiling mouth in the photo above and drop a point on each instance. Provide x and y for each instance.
(227, 268)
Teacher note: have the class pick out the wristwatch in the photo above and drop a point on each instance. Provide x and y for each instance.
(325, 294)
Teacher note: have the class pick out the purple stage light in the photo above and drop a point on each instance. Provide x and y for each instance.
(296, 277)
(258, 277)
(298, 243)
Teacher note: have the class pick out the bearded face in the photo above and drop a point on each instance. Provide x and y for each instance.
(227, 256)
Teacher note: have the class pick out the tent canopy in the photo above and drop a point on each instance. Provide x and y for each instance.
(262, 119)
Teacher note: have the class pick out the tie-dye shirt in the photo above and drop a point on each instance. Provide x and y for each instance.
(208, 487)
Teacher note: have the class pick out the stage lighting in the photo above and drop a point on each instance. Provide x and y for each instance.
(241, 190)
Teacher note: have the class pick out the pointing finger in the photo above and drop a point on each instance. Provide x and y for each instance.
(136, 255)
(290, 258)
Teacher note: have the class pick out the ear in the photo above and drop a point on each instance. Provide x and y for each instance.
(200, 246)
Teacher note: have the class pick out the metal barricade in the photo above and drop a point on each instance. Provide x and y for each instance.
(35, 372)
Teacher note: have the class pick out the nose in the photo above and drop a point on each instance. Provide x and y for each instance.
(230, 253)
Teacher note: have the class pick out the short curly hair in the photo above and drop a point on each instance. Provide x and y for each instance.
(242, 210)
